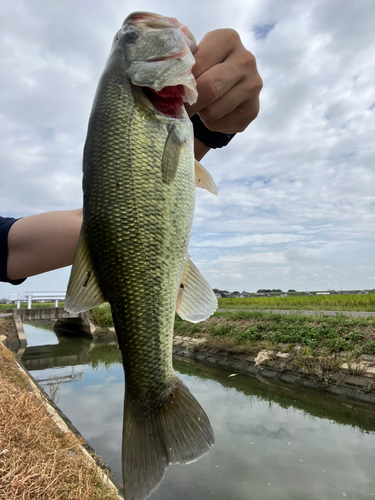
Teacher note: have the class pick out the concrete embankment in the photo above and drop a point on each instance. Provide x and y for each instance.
(355, 380)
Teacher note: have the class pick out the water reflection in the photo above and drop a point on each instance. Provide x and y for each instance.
(273, 441)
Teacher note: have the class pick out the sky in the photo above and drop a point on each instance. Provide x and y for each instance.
(295, 208)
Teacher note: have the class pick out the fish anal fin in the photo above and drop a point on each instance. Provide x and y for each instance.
(176, 431)
(171, 153)
(196, 300)
(83, 290)
(203, 178)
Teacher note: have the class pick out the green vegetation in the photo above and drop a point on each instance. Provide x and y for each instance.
(254, 330)
(23, 305)
(309, 302)
(102, 315)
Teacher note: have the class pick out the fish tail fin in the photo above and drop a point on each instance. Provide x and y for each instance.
(177, 431)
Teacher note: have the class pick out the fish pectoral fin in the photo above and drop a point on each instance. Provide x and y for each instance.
(176, 431)
(83, 290)
(171, 153)
(196, 300)
(203, 178)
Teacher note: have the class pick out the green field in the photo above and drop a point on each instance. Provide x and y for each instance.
(299, 303)
(308, 302)
(34, 304)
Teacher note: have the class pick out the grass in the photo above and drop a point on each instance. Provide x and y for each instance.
(257, 329)
(39, 461)
(254, 330)
(309, 302)
(102, 316)
(23, 305)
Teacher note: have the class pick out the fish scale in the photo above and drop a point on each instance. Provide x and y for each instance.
(143, 271)
(139, 184)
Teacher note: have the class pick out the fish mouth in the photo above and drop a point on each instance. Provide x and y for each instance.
(163, 76)
(168, 100)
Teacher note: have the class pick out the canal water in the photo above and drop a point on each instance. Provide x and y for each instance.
(272, 441)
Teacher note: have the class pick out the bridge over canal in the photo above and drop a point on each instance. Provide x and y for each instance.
(42, 314)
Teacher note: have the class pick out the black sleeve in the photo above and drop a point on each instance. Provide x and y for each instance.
(210, 139)
(5, 224)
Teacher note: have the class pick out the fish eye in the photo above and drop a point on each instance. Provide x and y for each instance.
(131, 36)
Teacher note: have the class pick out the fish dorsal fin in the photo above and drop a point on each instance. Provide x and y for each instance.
(171, 153)
(203, 178)
(196, 300)
(83, 290)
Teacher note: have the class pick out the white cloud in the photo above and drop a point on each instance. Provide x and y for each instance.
(296, 190)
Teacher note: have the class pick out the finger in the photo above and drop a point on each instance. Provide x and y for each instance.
(238, 95)
(245, 93)
(214, 49)
(215, 83)
(235, 120)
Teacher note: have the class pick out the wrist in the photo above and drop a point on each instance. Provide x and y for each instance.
(209, 138)
(200, 149)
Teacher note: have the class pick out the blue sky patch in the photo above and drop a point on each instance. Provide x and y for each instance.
(261, 30)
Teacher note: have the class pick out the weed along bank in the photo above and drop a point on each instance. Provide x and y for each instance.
(330, 352)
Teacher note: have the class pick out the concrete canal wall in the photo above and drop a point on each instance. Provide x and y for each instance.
(356, 381)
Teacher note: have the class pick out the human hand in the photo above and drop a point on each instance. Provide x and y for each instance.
(228, 83)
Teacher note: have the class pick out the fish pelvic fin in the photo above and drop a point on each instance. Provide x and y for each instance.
(83, 291)
(196, 300)
(203, 178)
(177, 431)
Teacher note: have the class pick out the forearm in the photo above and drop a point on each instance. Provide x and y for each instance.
(200, 149)
(43, 242)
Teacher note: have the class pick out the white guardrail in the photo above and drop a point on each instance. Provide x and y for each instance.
(32, 296)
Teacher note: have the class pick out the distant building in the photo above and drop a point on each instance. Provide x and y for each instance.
(262, 295)
(283, 295)
(5, 301)
(360, 292)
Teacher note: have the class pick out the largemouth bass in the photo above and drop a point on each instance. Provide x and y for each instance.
(139, 181)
